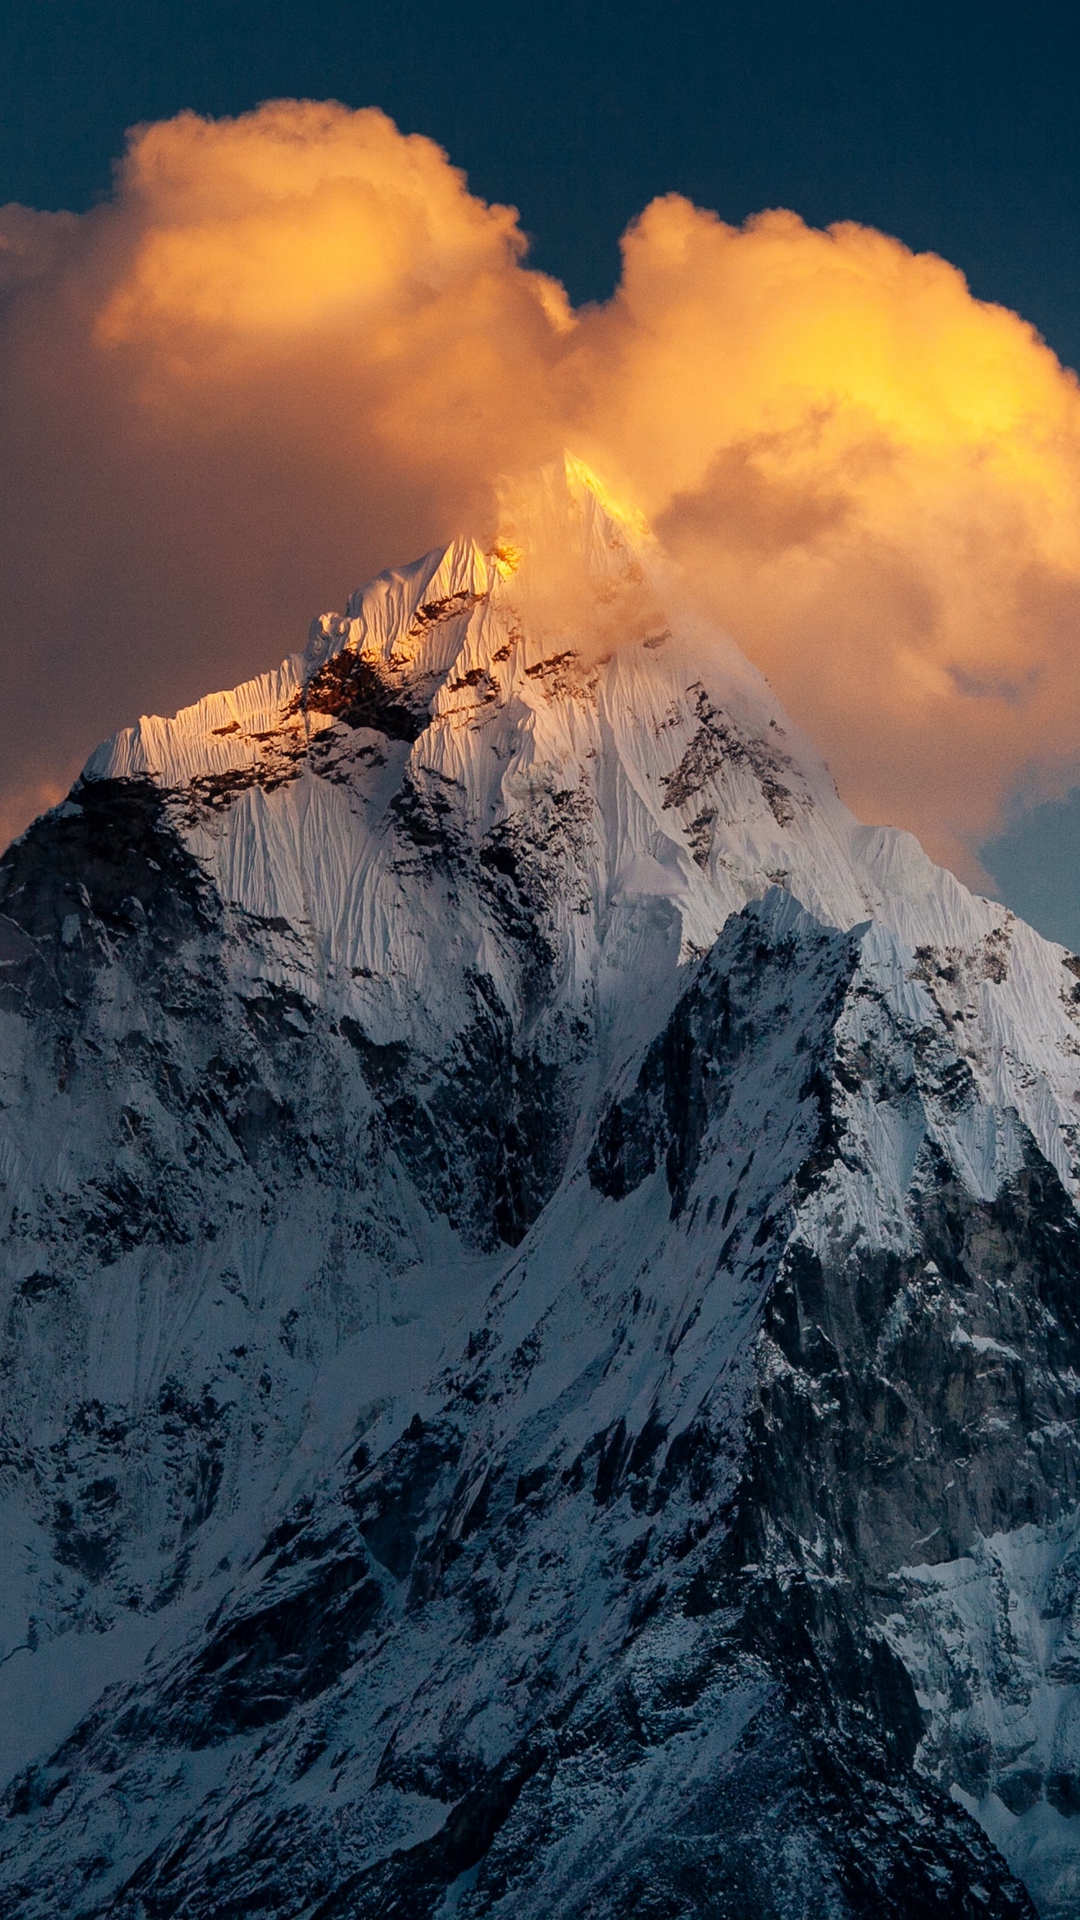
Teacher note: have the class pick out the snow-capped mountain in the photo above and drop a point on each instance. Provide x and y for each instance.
(541, 1353)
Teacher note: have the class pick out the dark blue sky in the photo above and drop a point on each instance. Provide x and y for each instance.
(952, 125)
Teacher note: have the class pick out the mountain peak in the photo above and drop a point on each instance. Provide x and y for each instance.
(554, 711)
(566, 504)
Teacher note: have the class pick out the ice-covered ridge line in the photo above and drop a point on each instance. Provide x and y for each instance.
(219, 733)
(386, 617)
(396, 622)
(230, 730)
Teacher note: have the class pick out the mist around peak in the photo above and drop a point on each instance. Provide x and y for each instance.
(577, 563)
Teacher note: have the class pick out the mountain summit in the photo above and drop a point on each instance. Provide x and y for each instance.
(542, 1296)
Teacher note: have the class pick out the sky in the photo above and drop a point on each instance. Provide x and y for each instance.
(186, 483)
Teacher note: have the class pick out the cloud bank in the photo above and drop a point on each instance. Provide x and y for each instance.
(292, 348)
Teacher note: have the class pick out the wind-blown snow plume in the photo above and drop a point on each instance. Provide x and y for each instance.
(293, 346)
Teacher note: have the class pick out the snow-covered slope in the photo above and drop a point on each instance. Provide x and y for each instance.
(541, 1295)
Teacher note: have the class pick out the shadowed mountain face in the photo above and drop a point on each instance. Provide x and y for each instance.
(541, 1336)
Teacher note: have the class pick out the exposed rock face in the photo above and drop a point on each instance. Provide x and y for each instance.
(542, 1328)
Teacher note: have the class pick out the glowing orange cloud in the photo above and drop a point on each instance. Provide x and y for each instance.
(293, 348)
(875, 479)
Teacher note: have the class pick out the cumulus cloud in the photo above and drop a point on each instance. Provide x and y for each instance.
(875, 479)
(290, 350)
(293, 348)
